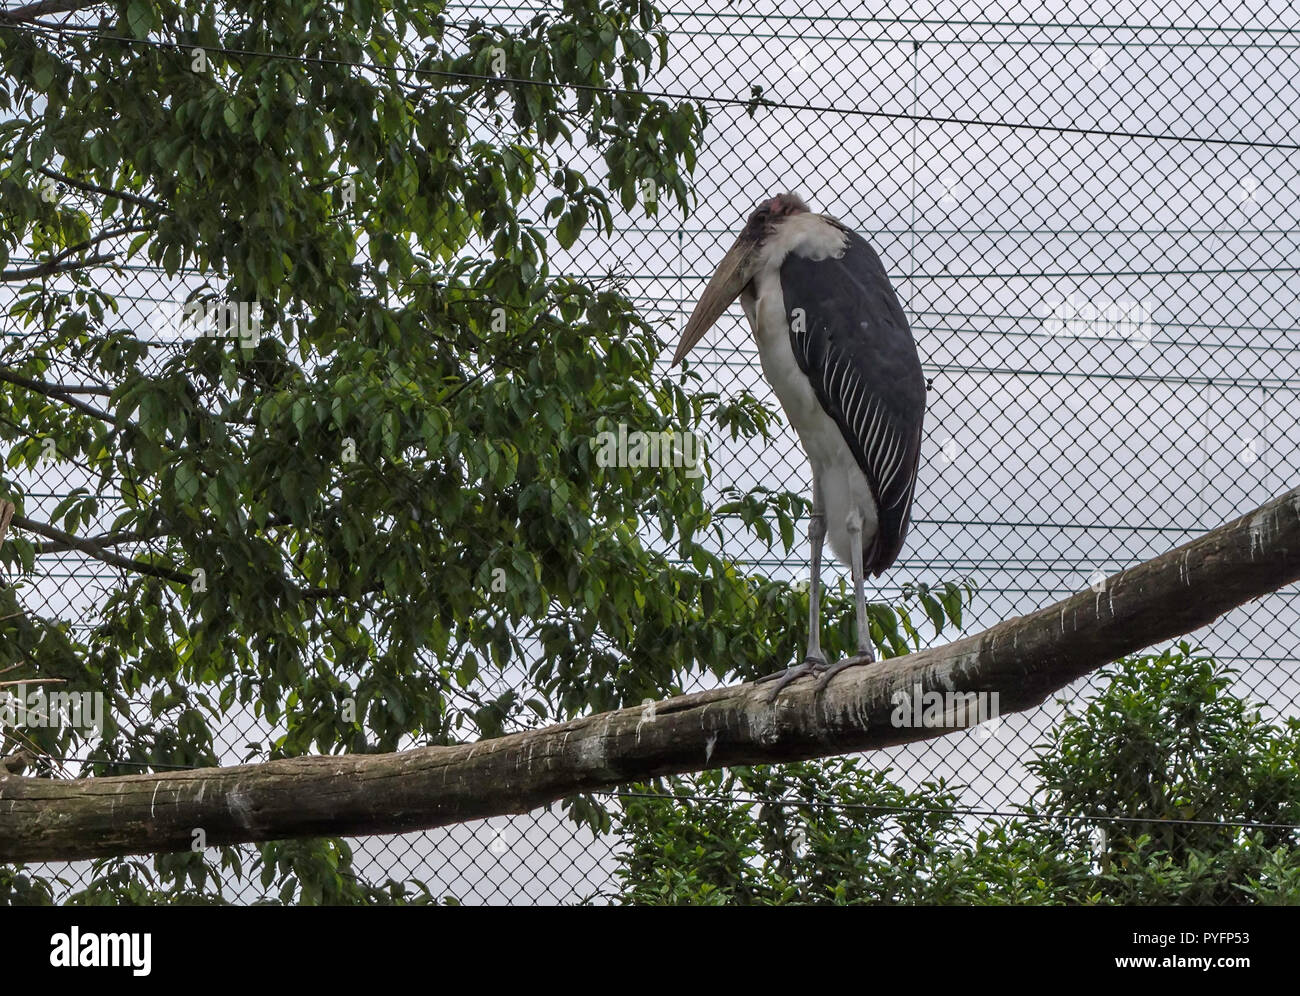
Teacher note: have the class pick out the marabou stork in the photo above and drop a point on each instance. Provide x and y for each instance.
(836, 348)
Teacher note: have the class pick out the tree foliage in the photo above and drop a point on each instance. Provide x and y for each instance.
(1139, 800)
(378, 521)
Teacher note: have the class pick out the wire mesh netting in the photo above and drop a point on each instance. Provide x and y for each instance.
(1090, 214)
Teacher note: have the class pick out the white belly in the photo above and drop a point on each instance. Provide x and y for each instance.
(844, 489)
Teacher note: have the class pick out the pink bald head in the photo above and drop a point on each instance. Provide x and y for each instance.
(786, 204)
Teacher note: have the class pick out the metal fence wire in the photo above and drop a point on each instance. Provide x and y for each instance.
(1090, 214)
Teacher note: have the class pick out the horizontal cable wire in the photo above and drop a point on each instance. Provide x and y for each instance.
(685, 97)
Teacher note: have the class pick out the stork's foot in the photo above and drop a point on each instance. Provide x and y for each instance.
(867, 656)
(811, 665)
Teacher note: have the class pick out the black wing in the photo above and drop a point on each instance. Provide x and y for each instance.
(857, 349)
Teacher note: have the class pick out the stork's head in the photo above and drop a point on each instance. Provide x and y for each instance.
(738, 267)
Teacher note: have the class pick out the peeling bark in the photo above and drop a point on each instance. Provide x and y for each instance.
(1024, 660)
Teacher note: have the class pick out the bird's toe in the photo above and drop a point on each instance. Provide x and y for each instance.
(783, 678)
(828, 673)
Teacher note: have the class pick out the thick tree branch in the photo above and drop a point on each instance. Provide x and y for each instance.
(100, 542)
(30, 12)
(85, 186)
(1024, 660)
(91, 548)
(55, 391)
(60, 262)
(51, 267)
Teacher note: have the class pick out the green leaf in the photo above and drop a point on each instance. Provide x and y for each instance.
(567, 230)
(261, 122)
(43, 71)
(139, 15)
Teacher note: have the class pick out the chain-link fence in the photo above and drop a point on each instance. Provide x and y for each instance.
(1090, 215)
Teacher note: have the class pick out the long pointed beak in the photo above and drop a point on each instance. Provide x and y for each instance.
(724, 287)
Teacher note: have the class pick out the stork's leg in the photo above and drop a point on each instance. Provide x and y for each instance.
(816, 539)
(815, 660)
(866, 654)
(859, 581)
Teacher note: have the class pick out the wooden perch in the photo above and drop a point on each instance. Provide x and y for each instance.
(1024, 660)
